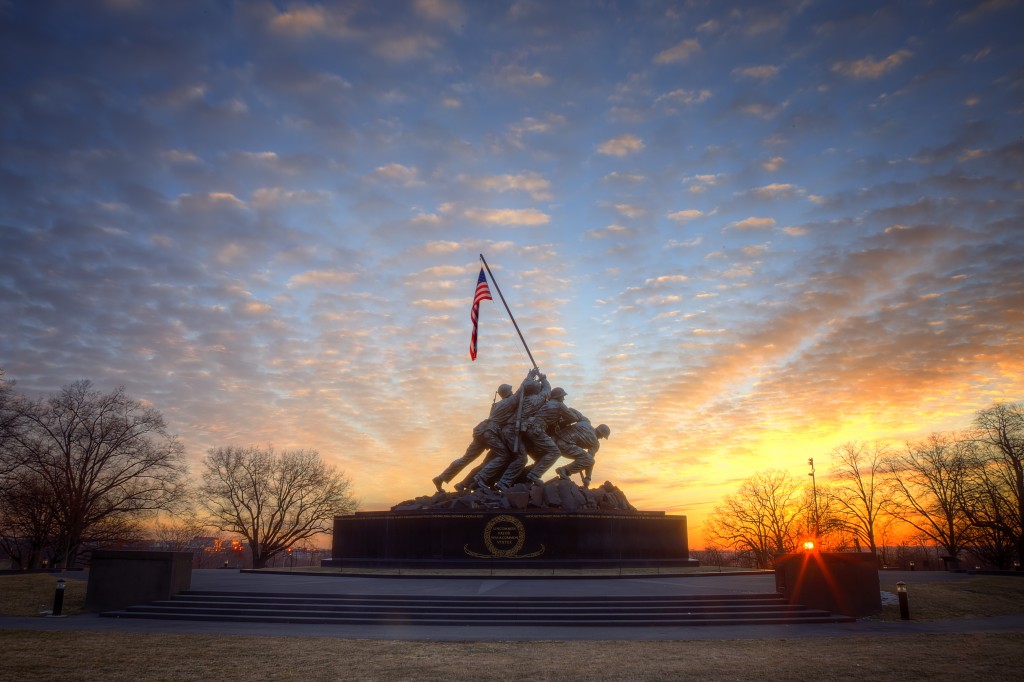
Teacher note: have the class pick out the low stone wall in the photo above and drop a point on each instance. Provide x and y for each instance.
(836, 582)
(121, 578)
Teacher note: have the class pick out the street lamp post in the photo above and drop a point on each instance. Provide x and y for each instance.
(814, 489)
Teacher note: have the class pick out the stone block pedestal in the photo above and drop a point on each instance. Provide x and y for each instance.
(509, 539)
(121, 578)
(836, 582)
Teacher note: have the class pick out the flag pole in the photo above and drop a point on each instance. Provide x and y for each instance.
(502, 297)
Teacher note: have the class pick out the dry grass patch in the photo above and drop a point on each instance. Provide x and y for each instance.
(27, 595)
(977, 597)
(124, 656)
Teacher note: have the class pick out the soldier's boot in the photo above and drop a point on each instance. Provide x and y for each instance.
(438, 483)
(562, 474)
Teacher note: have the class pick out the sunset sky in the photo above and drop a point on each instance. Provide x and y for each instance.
(738, 233)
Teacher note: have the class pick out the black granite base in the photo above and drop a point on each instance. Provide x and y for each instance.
(121, 578)
(509, 539)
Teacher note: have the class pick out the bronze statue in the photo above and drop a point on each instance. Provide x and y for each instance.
(535, 433)
(579, 442)
(485, 436)
(534, 389)
(534, 422)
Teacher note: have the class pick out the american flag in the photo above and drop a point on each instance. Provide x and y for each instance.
(483, 293)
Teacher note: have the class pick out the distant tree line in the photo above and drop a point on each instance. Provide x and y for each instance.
(83, 469)
(962, 492)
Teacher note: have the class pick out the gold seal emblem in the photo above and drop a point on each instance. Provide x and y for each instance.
(504, 536)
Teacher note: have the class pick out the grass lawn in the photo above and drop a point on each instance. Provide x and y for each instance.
(151, 657)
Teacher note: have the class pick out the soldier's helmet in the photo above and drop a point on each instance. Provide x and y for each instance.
(603, 431)
(557, 393)
(505, 390)
(533, 387)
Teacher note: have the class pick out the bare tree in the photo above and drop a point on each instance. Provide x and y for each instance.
(8, 422)
(179, 532)
(273, 501)
(858, 472)
(762, 519)
(997, 504)
(103, 461)
(928, 481)
(986, 502)
(28, 524)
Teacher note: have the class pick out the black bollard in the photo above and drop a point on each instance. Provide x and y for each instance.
(58, 598)
(901, 592)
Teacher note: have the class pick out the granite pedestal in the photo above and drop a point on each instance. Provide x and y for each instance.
(510, 539)
(121, 578)
(838, 582)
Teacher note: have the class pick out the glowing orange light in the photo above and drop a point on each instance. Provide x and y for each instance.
(809, 545)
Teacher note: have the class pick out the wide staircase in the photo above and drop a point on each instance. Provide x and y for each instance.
(598, 611)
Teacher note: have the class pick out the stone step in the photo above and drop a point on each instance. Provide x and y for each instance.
(465, 611)
(485, 601)
(597, 611)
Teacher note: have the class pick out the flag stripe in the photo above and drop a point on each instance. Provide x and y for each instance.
(483, 293)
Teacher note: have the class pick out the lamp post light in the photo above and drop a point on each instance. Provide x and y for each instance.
(58, 598)
(814, 489)
(901, 592)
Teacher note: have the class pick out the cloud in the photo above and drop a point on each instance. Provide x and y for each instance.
(625, 178)
(610, 232)
(684, 96)
(685, 215)
(759, 107)
(210, 200)
(426, 219)
(516, 75)
(444, 11)
(681, 51)
(508, 216)
(396, 172)
(631, 210)
(621, 146)
(322, 278)
(753, 223)
(688, 244)
(403, 48)
(665, 279)
(534, 184)
(278, 197)
(697, 184)
(983, 9)
(776, 190)
(303, 20)
(179, 156)
(869, 67)
(763, 72)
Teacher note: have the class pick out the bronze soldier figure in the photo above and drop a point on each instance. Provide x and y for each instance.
(486, 435)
